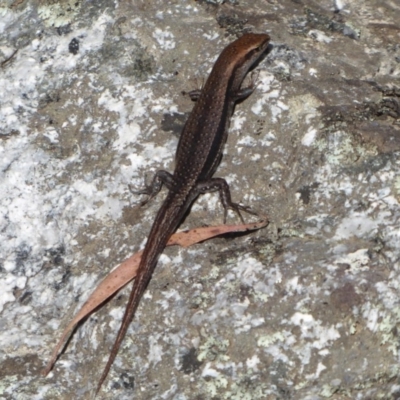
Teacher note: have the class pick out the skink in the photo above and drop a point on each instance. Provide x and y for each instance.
(197, 157)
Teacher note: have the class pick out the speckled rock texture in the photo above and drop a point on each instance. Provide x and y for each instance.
(91, 102)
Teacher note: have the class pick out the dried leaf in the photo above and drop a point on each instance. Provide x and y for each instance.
(126, 271)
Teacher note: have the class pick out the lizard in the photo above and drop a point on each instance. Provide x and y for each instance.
(198, 154)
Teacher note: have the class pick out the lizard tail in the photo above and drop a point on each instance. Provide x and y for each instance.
(165, 224)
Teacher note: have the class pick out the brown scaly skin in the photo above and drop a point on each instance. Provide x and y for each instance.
(198, 155)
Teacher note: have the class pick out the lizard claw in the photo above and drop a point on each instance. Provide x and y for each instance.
(237, 208)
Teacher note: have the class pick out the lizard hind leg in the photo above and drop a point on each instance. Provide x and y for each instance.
(160, 178)
(220, 185)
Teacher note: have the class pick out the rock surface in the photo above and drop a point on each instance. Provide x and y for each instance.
(92, 99)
